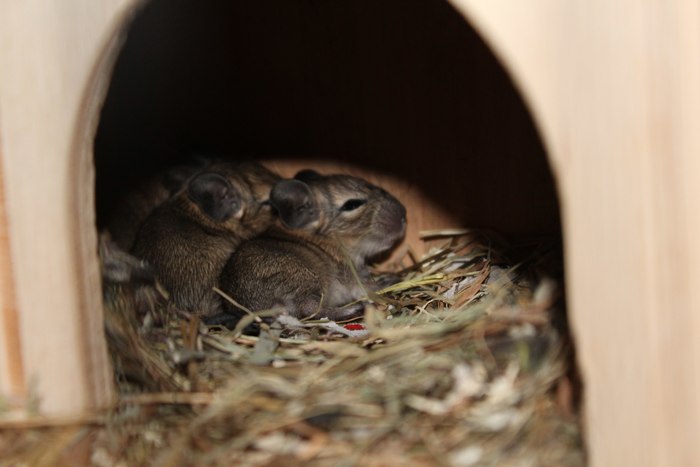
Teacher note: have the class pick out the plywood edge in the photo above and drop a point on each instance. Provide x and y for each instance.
(47, 162)
(12, 384)
(97, 364)
(614, 88)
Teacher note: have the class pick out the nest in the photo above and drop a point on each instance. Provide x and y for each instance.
(462, 362)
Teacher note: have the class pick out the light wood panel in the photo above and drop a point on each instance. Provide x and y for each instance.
(615, 88)
(48, 102)
(12, 383)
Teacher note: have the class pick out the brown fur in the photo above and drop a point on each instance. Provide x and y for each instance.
(305, 262)
(134, 207)
(187, 248)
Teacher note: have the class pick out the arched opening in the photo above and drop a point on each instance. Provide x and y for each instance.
(406, 88)
(403, 92)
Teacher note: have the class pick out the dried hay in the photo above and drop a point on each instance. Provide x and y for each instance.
(457, 364)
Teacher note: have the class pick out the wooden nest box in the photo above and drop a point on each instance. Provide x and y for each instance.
(586, 112)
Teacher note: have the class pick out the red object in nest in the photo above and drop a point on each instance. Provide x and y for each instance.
(354, 327)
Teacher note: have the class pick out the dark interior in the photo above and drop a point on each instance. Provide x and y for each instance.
(405, 87)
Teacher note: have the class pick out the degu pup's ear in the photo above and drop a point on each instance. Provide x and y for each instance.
(215, 196)
(307, 175)
(294, 203)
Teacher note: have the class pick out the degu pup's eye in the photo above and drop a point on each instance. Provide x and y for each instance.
(352, 204)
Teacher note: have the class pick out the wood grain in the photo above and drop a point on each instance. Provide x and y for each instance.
(12, 381)
(614, 89)
(47, 59)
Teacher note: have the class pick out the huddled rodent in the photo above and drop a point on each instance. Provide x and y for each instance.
(328, 226)
(138, 203)
(188, 239)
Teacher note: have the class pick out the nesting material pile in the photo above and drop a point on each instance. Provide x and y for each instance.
(457, 364)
